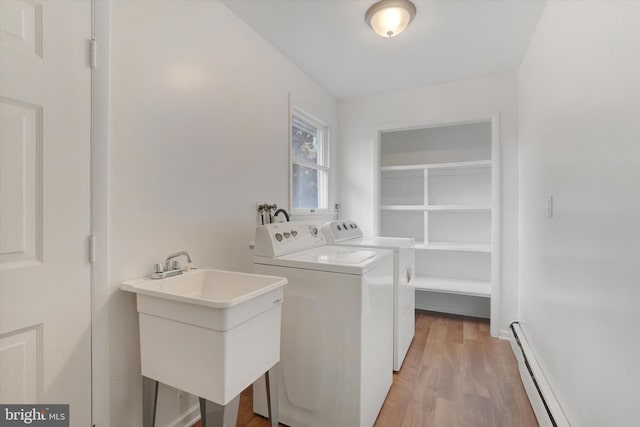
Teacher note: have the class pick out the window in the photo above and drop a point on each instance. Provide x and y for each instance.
(309, 163)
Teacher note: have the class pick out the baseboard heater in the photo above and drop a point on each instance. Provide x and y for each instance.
(543, 401)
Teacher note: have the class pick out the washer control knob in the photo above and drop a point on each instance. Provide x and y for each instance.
(313, 230)
(279, 237)
(294, 233)
(287, 234)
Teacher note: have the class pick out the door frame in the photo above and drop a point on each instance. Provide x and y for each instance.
(100, 287)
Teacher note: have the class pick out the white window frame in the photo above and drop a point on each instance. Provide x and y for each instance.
(324, 162)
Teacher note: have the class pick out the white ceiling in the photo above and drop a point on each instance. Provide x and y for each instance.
(448, 40)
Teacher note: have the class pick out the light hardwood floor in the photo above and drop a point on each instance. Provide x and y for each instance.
(454, 375)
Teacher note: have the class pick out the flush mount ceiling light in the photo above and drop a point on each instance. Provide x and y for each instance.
(389, 18)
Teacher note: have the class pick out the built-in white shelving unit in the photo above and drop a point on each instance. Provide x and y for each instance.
(438, 185)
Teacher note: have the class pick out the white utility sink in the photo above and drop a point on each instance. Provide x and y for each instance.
(209, 332)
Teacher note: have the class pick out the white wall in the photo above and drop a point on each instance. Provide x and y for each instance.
(199, 133)
(452, 102)
(579, 116)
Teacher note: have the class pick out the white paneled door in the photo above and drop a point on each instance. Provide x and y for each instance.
(45, 134)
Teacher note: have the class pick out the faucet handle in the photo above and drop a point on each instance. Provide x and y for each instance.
(158, 268)
(175, 265)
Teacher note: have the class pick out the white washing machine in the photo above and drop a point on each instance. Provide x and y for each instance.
(336, 341)
(347, 233)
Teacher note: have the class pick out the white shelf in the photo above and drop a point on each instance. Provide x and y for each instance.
(476, 288)
(437, 208)
(402, 207)
(456, 165)
(458, 208)
(454, 246)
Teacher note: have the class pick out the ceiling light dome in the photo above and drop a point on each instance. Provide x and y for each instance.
(389, 18)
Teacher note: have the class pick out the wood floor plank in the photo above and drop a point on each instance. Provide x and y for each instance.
(484, 327)
(476, 411)
(454, 375)
(473, 364)
(454, 330)
(447, 413)
(425, 386)
(470, 330)
(417, 415)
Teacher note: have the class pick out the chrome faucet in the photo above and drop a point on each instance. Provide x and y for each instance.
(176, 264)
(170, 268)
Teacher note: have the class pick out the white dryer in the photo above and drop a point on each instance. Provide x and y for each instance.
(347, 233)
(336, 341)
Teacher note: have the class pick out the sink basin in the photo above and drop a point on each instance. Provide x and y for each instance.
(209, 332)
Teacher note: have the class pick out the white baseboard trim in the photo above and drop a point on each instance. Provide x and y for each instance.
(544, 403)
(504, 334)
(462, 305)
(452, 310)
(188, 418)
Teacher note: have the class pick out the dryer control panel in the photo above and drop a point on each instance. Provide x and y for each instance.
(282, 238)
(340, 230)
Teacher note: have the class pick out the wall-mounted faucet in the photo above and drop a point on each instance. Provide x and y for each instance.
(170, 268)
(266, 208)
(278, 212)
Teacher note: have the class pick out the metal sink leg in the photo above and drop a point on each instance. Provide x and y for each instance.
(214, 415)
(149, 401)
(271, 379)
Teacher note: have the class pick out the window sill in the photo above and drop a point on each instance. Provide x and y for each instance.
(316, 213)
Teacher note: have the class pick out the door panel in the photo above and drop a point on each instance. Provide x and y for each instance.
(21, 367)
(21, 26)
(20, 183)
(45, 135)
